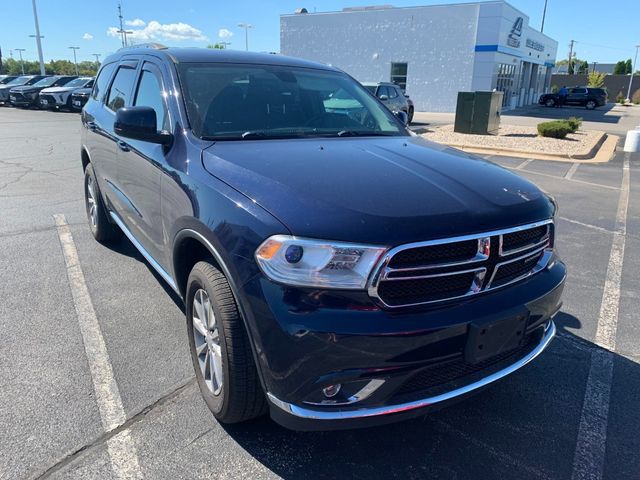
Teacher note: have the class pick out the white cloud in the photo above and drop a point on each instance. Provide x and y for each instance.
(87, 36)
(224, 33)
(136, 22)
(157, 31)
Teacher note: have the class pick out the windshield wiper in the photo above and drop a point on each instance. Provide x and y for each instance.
(249, 134)
(362, 133)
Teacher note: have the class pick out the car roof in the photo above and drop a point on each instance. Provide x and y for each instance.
(212, 55)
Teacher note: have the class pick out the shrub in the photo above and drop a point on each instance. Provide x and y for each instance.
(620, 98)
(636, 97)
(555, 129)
(575, 123)
(555, 88)
(596, 79)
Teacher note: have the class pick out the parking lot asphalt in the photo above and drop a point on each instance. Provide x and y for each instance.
(573, 413)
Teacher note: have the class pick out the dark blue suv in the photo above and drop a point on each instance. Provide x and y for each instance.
(336, 269)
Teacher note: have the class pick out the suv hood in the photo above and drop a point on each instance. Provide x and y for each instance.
(376, 190)
(27, 88)
(58, 89)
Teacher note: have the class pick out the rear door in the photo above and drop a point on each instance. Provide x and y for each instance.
(577, 96)
(140, 164)
(105, 141)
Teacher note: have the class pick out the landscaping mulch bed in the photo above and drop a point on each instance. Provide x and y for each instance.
(581, 144)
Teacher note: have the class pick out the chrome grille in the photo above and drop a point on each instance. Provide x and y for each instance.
(446, 269)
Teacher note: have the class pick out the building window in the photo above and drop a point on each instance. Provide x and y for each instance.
(399, 75)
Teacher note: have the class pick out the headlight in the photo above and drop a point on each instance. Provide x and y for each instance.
(317, 263)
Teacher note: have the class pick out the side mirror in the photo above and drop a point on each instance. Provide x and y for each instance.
(402, 116)
(383, 97)
(139, 123)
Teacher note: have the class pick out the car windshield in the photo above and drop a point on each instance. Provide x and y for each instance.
(78, 82)
(371, 88)
(19, 81)
(46, 82)
(247, 102)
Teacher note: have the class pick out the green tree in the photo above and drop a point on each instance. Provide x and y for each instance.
(628, 66)
(584, 67)
(596, 79)
(620, 68)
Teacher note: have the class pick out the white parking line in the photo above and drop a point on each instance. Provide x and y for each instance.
(571, 171)
(589, 456)
(121, 448)
(524, 164)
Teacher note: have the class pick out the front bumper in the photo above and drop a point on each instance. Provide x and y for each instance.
(20, 100)
(50, 101)
(307, 340)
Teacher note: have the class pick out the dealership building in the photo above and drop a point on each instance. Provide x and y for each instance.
(433, 52)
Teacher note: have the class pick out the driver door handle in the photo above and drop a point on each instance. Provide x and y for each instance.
(122, 146)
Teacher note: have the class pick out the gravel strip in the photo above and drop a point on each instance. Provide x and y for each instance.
(520, 139)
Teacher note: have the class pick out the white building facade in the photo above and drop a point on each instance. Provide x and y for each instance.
(433, 52)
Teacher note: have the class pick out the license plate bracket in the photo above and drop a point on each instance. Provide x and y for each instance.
(488, 339)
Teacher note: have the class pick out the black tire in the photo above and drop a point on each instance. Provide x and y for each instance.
(591, 105)
(549, 102)
(410, 115)
(240, 396)
(101, 227)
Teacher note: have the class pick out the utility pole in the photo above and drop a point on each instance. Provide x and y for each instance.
(569, 67)
(74, 58)
(544, 14)
(21, 62)
(594, 67)
(38, 37)
(633, 69)
(246, 27)
(97, 55)
(125, 33)
(123, 37)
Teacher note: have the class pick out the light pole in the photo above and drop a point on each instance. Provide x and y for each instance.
(74, 58)
(38, 37)
(544, 14)
(21, 62)
(246, 27)
(633, 69)
(124, 33)
(97, 55)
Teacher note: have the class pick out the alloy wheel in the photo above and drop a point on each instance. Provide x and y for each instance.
(207, 341)
(92, 206)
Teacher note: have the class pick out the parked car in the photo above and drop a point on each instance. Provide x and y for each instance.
(23, 80)
(28, 95)
(60, 97)
(337, 272)
(79, 98)
(392, 96)
(587, 97)
(4, 79)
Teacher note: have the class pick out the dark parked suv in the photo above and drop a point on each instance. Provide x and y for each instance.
(338, 271)
(587, 97)
(28, 95)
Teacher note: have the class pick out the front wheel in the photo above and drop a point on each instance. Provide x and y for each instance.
(550, 102)
(220, 349)
(591, 105)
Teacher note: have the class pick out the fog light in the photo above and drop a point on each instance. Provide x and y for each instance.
(332, 390)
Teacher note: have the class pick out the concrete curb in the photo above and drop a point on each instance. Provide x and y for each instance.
(601, 152)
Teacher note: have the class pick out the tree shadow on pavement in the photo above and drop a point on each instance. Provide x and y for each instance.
(600, 114)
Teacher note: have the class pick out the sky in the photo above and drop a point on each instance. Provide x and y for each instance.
(602, 33)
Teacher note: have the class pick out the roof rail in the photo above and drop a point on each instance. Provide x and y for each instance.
(155, 46)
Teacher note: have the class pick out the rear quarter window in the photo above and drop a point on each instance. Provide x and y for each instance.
(102, 81)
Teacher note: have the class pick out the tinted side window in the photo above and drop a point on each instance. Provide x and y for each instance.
(579, 90)
(150, 95)
(383, 91)
(120, 91)
(392, 92)
(102, 81)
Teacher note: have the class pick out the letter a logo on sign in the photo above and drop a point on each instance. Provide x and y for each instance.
(516, 32)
